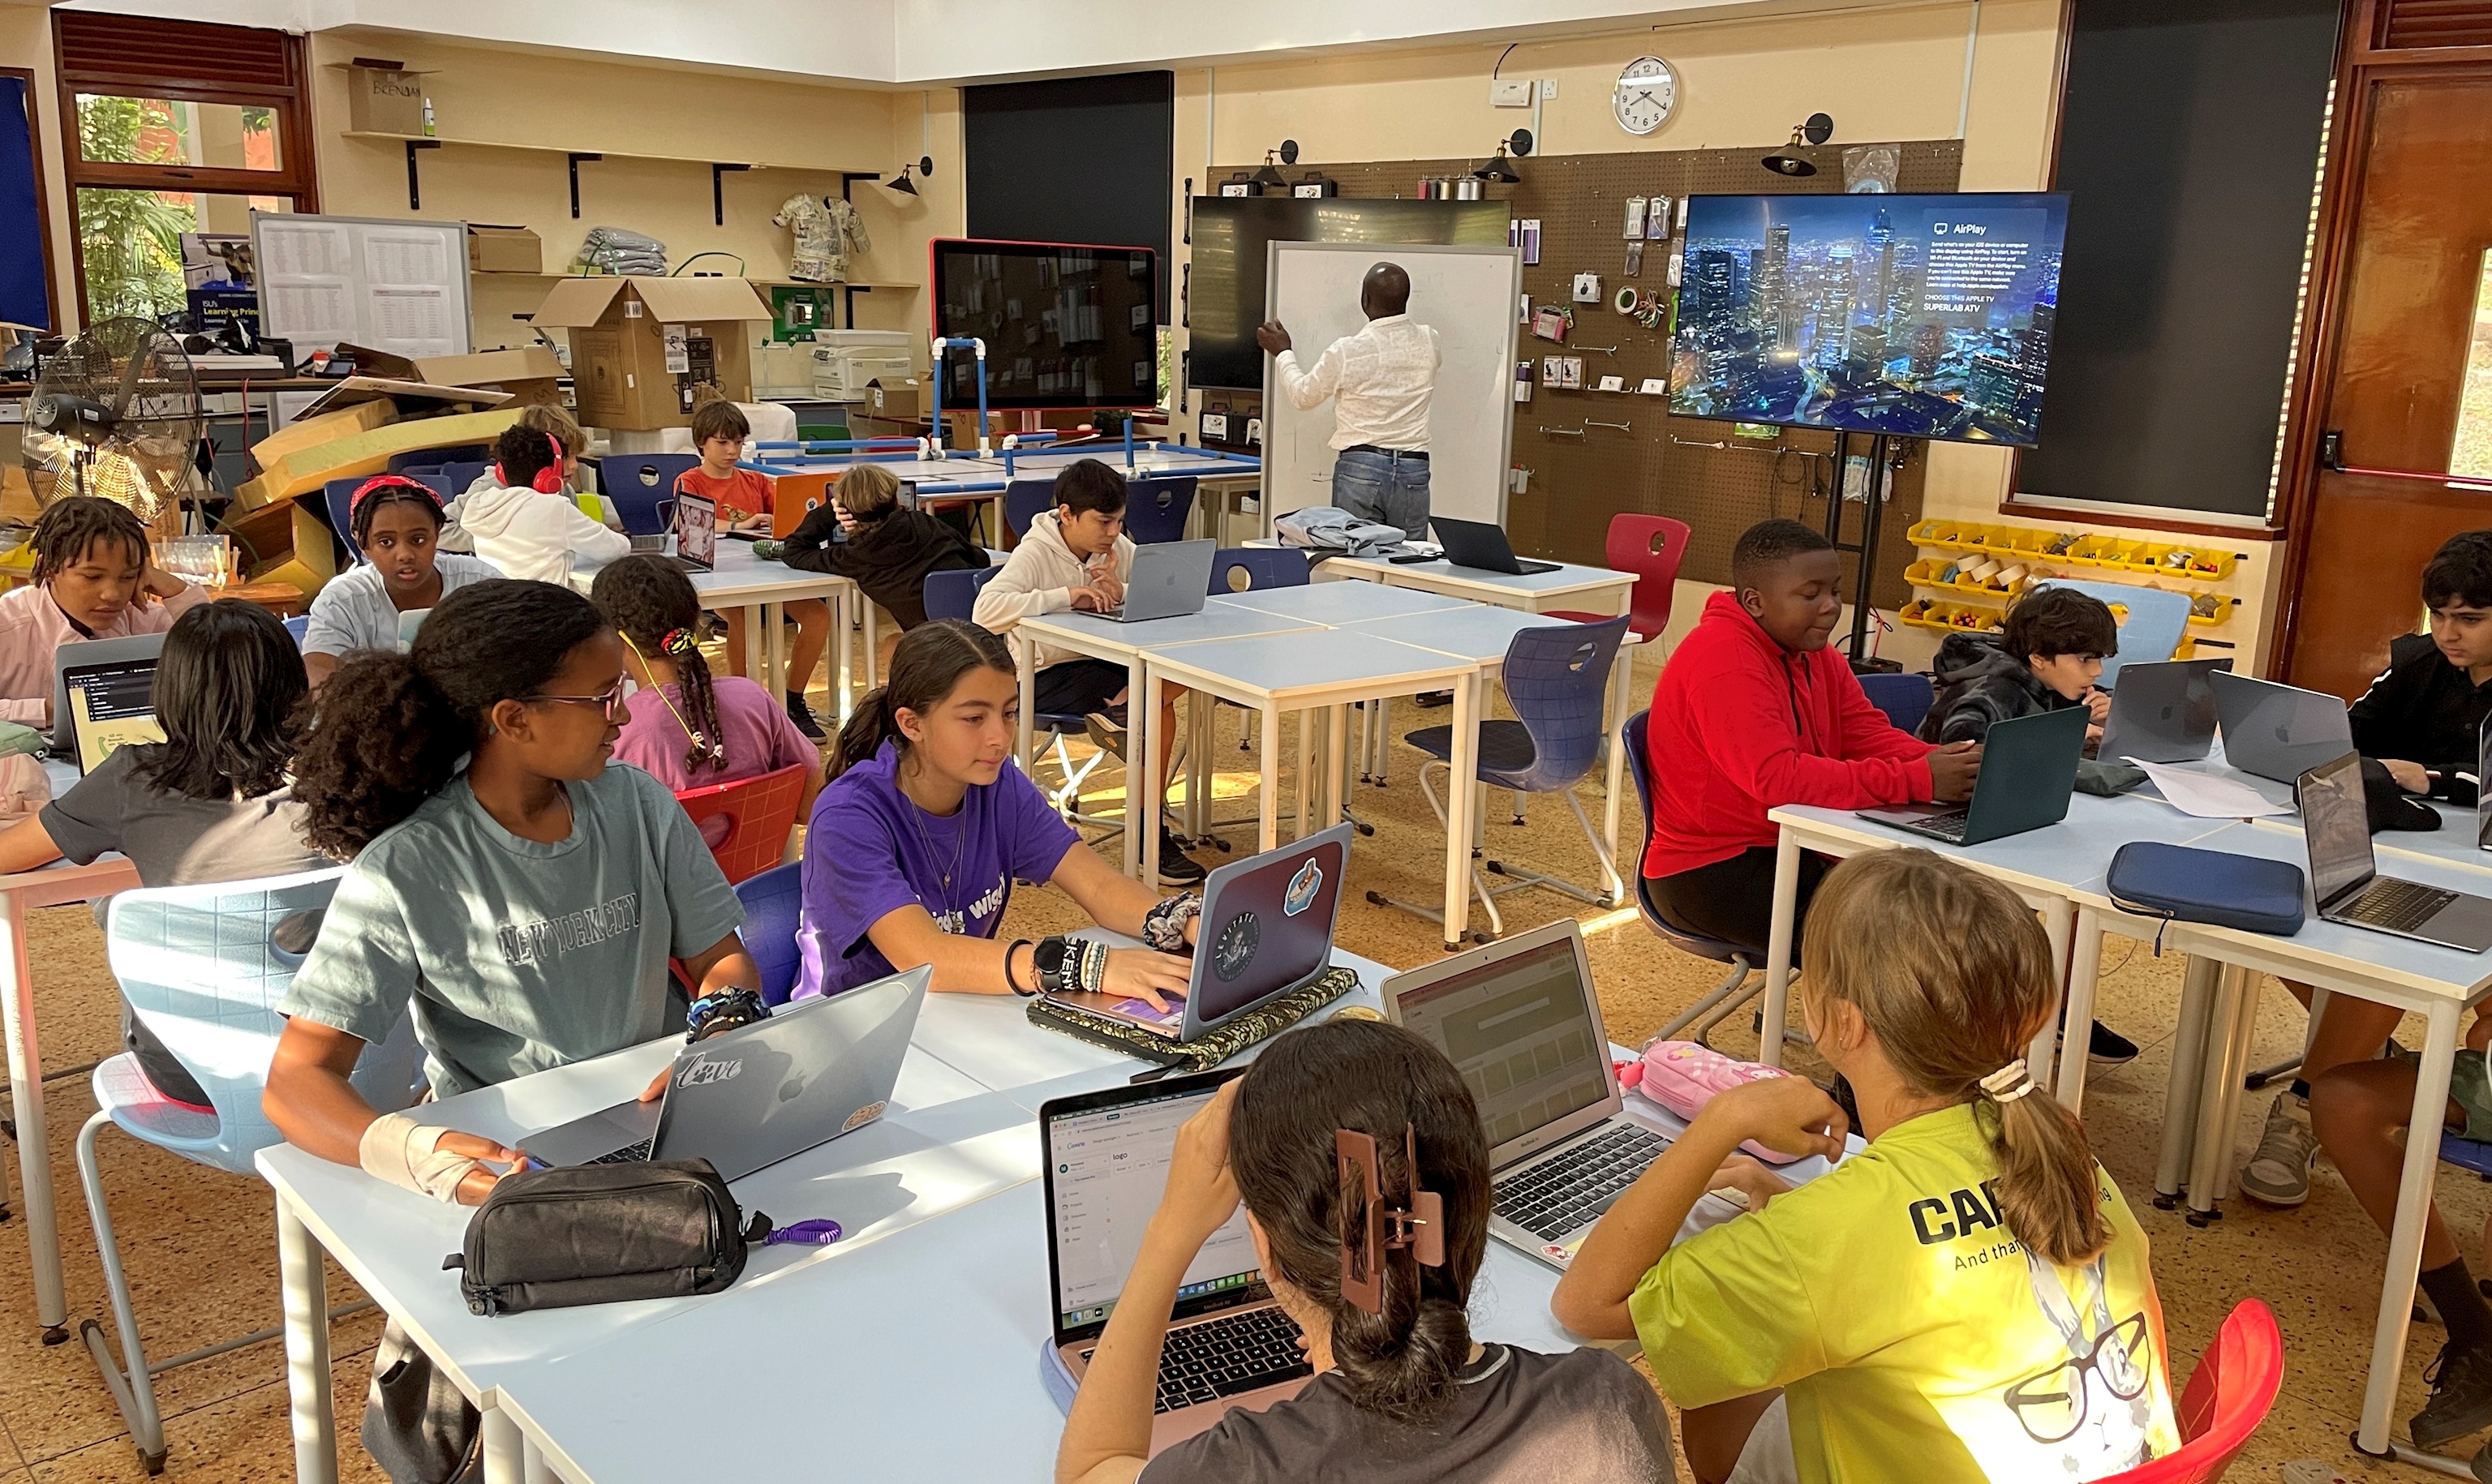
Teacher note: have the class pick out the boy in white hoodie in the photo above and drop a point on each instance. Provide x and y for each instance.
(526, 524)
(1077, 556)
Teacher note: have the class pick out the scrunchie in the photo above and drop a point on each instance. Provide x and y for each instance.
(679, 641)
(2008, 1084)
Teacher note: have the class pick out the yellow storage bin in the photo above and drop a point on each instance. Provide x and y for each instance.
(2103, 551)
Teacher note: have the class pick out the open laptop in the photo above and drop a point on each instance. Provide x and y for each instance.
(1266, 929)
(2482, 794)
(103, 697)
(2029, 768)
(1481, 547)
(2162, 713)
(2345, 879)
(696, 532)
(756, 1094)
(1519, 1020)
(2279, 731)
(1105, 1160)
(1168, 580)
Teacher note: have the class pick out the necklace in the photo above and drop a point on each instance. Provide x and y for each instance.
(960, 843)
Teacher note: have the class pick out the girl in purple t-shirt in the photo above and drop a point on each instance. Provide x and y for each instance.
(927, 822)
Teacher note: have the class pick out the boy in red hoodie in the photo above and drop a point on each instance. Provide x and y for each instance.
(1754, 712)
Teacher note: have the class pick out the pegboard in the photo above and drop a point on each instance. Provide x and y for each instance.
(1580, 478)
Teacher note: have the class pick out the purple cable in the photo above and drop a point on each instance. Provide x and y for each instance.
(818, 1234)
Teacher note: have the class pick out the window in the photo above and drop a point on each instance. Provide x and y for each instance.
(2470, 453)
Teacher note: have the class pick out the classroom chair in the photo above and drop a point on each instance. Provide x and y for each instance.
(438, 457)
(773, 901)
(453, 478)
(2228, 1396)
(758, 812)
(642, 487)
(299, 626)
(955, 595)
(1650, 546)
(1724, 998)
(1905, 698)
(2150, 634)
(204, 967)
(1157, 508)
(1558, 680)
(1024, 499)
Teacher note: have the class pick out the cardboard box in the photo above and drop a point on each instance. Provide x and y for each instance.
(305, 470)
(409, 399)
(639, 346)
(897, 399)
(531, 373)
(384, 97)
(286, 543)
(504, 249)
(304, 432)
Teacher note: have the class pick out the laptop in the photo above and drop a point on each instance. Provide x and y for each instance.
(2162, 713)
(2345, 879)
(696, 532)
(754, 1095)
(1520, 1022)
(2483, 795)
(2279, 731)
(2029, 768)
(1481, 547)
(1168, 580)
(1266, 929)
(103, 697)
(1106, 1162)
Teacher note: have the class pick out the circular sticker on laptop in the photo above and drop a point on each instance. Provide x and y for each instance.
(1234, 948)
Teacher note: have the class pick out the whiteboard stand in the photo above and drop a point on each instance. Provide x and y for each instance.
(381, 282)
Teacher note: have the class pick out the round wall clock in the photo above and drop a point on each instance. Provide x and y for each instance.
(1647, 90)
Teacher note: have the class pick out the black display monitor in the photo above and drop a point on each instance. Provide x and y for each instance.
(1066, 324)
(1919, 316)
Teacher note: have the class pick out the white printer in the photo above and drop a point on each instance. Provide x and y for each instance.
(847, 361)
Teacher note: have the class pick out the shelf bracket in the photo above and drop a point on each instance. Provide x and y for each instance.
(414, 184)
(848, 178)
(718, 190)
(576, 157)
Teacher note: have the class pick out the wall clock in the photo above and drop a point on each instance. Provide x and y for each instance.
(1647, 90)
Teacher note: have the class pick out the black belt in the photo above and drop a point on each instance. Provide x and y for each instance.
(1369, 448)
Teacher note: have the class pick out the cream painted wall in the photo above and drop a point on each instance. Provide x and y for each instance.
(26, 41)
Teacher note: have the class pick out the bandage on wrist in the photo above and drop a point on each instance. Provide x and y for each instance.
(398, 1150)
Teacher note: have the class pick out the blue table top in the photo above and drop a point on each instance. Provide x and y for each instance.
(1480, 633)
(1342, 602)
(1275, 664)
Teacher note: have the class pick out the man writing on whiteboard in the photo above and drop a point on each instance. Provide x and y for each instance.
(1382, 380)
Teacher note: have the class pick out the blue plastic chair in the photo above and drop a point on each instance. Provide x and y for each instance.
(1558, 678)
(1024, 499)
(1246, 569)
(1157, 508)
(442, 457)
(955, 595)
(1723, 998)
(1905, 698)
(204, 967)
(299, 626)
(453, 479)
(2152, 632)
(773, 901)
(641, 488)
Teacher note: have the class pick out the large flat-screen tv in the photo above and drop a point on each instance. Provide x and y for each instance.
(1225, 290)
(1921, 316)
(1066, 324)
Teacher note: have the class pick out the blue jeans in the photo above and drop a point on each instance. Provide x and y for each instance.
(1390, 491)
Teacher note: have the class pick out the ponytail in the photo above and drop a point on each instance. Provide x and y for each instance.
(928, 662)
(2047, 1191)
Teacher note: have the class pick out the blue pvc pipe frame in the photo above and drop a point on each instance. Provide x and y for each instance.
(942, 343)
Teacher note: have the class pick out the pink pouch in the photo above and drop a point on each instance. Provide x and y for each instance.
(1683, 1076)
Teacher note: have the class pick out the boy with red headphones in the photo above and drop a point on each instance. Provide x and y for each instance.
(529, 527)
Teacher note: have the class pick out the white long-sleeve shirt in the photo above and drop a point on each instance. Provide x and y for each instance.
(1381, 379)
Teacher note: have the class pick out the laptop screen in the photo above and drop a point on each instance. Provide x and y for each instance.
(111, 707)
(1107, 1162)
(1522, 1034)
(2338, 823)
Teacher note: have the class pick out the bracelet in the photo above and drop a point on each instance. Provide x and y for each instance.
(1164, 926)
(1010, 982)
(723, 1010)
(1065, 964)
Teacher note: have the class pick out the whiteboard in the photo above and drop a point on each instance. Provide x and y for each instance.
(1469, 296)
(385, 284)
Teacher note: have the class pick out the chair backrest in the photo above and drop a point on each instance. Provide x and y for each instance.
(641, 488)
(1244, 569)
(1650, 546)
(1156, 509)
(2148, 634)
(1905, 698)
(299, 626)
(453, 478)
(1632, 735)
(954, 594)
(2229, 1395)
(1558, 678)
(772, 902)
(758, 811)
(1023, 499)
(442, 457)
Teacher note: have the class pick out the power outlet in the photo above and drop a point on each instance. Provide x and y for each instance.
(1215, 427)
(1547, 89)
(1509, 93)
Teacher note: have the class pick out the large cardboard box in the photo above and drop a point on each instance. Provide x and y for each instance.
(531, 373)
(304, 432)
(641, 345)
(897, 399)
(384, 97)
(504, 249)
(286, 543)
(305, 470)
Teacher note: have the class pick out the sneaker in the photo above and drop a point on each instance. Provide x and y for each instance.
(2480, 1465)
(2461, 1397)
(1434, 698)
(1176, 867)
(2278, 1173)
(803, 715)
(2108, 1048)
(1106, 731)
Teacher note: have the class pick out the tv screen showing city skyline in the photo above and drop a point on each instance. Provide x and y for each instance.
(1918, 316)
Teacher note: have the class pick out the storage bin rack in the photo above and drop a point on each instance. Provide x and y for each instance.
(1980, 608)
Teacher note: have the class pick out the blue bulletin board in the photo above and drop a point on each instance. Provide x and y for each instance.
(25, 295)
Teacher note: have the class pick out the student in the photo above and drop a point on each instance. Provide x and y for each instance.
(527, 902)
(2047, 656)
(210, 802)
(1402, 1394)
(744, 499)
(526, 527)
(93, 579)
(864, 535)
(397, 523)
(551, 420)
(1754, 712)
(1967, 1298)
(926, 823)
(684, 727)
(1076, 557)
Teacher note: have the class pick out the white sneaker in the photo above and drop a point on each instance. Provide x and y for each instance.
(2278, 1173)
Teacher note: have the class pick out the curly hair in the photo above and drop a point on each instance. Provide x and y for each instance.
(2050, 621)
(651, 603)
(72, 525)
(226, 688)
(521, 453)
(389, 730)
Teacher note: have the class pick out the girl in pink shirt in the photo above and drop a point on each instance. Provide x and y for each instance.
(93, 580)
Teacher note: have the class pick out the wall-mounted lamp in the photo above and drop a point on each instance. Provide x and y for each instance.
(1500, 166)
(924, 166)
(1271, 176)
(1788, 160)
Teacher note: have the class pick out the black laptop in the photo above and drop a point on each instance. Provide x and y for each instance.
(1482, 547)
(2029, 768)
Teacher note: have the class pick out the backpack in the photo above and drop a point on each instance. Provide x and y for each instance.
(1332, 529)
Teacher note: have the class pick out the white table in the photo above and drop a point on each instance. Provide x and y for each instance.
(764, 588)
(973, 479)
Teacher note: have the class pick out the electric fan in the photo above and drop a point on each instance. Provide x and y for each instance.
(116, 413)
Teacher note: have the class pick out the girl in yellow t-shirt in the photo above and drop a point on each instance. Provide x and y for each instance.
(1967, 1297)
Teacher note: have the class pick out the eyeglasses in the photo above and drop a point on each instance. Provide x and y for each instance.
(2052, 1406)
(610, 702)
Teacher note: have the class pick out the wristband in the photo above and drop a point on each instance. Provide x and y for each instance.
(1066, 964)
(723, 1010)
(398, 1150)
(1010, 982)
(1164, 926)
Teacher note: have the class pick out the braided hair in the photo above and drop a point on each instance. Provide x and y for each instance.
(391, 489)
(651, 603)
(72, 524)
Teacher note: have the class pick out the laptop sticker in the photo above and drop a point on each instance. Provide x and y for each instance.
(1234, 948)
(1303, 887)
(864, 1116)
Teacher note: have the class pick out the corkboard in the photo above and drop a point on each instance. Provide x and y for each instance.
(1576, 484)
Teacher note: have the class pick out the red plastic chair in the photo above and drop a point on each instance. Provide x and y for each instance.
(2228, 1397)
(758, 812)
(1650, 546)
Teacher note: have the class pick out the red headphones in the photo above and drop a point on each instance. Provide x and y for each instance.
(548, 480)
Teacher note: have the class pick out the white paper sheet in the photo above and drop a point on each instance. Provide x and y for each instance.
(2206, 795)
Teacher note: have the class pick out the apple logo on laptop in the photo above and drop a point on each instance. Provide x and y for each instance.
(2166, 713)
(789, 1089)
(2284, 734)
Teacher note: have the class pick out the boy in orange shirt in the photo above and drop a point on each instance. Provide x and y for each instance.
(743, 498)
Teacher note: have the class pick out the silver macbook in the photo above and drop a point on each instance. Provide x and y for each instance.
(2163, 713)
(103, 697)
(2279, 731)
(756, 1094)
(1168, 580)
(2345, 879)
(2483, 795)
(1519, 1020)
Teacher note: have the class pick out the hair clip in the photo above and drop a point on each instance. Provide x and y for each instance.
(1419, 1227)
(679, 641)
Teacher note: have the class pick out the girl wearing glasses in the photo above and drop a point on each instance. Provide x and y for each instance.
(525, 897)
(1967, 1297)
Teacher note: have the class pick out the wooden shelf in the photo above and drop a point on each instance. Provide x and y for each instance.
(584, 151)
(855, 283)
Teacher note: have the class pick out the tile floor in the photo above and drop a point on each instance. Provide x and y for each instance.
(200, 1246)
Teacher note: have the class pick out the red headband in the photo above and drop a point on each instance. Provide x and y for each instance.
(355, 501)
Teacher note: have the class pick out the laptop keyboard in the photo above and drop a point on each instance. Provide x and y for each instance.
(630, 1153)
(1950, 824)
(2400, 906)
(1228, 1357)
(1558, 1196)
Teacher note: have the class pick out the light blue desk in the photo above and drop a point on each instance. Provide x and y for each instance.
(1334, 603)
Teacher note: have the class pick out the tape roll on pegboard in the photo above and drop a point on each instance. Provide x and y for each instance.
(1626, 300)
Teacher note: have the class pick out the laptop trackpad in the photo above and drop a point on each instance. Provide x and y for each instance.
(601, 1133)
(2466, 922)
